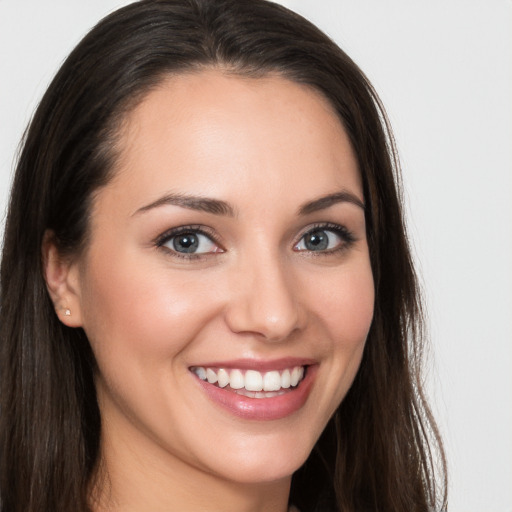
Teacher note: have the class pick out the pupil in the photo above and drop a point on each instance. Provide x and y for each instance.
(188, 242)
(317, 241)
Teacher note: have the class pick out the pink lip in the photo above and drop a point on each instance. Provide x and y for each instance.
(273, 408)
(259, 365)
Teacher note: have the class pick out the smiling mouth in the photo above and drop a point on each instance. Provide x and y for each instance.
(252, 383)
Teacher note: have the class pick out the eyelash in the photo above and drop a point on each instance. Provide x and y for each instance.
(195, 229)
(346, 236)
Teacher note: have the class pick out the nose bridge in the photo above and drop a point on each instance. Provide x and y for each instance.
(265, 301)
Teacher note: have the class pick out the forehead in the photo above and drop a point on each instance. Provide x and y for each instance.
(225, 135)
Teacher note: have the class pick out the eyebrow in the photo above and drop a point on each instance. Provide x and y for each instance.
(204, 204)
(218, 207)
(326, 201)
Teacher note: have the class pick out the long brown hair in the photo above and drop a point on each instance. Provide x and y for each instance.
(381, 448)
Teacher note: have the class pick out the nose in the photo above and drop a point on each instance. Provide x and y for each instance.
(264, 300)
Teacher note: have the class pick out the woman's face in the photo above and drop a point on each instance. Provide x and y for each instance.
(227, 291)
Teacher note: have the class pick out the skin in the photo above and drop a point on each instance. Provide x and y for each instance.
(265, 146)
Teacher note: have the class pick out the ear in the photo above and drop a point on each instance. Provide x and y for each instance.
(62, 281)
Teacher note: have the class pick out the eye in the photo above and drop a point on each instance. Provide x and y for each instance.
(188, 242)
(324, 238)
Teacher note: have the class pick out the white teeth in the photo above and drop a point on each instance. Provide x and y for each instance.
(211, 376)
(236, 379)
(222, 378)
(286, 379)
(272, 381)
(201, 373)
(251, 382)
(295, 376)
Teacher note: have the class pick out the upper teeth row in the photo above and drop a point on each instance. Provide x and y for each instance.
(251, 380)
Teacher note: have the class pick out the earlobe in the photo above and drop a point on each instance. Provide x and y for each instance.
(62, 281)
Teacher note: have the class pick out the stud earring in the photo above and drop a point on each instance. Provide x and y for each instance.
(67, 311)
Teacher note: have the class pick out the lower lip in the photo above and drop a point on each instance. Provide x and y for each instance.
(262, 409)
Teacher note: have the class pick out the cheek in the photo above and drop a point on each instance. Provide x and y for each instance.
(130, 309)
(345, 312)
(347, 306)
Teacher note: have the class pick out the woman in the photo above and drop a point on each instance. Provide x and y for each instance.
(208, 302)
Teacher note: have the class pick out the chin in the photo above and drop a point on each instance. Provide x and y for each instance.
(265, 462)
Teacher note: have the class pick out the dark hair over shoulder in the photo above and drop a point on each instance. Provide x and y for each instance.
(378, 452)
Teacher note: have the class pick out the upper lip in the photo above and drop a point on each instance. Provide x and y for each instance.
(258, 364)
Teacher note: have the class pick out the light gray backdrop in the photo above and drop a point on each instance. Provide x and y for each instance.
(444, 71)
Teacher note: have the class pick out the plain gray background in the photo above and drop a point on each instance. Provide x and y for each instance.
(444, 71)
